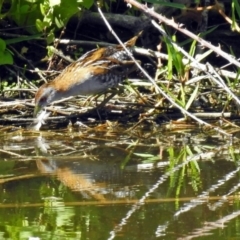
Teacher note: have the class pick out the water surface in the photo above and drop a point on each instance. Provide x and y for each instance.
(113, 182)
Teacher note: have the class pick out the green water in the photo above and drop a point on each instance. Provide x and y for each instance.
(109, 184)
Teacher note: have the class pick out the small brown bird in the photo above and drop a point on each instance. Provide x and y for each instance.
(94, 72)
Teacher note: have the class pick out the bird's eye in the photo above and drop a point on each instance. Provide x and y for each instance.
(43, 99)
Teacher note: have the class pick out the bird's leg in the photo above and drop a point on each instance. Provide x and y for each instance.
(106, 100)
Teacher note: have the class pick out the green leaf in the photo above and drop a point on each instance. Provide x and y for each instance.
(42, 9)
(51, 50)
(192, 98)
(53, 3)
(64, 11)
(237, 7)
(170, 60)
(5, 58)
(39, 25)
(24, 9)
(50, 38)
(87, 3)
(204, 55)
(192, 48)
(2, 45)
(59, 22)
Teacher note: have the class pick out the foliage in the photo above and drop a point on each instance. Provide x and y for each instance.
(43, 16)
(5, 54)
(37, 16)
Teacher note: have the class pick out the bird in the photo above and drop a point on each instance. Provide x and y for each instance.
(94, 72)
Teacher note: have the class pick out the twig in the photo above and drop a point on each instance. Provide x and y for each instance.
(84, 43)
(12, 153)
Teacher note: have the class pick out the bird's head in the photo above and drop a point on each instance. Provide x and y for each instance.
(45, 95)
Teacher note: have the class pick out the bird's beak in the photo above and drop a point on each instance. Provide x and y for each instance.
(37, 109)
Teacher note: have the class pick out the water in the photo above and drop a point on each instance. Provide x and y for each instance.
(112, 183)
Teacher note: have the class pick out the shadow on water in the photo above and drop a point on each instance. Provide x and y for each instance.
(111, 183)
